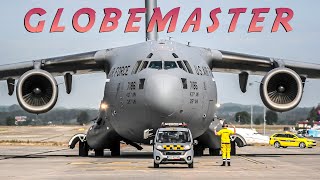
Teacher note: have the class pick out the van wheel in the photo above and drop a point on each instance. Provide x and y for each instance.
(277, 144)
(155, 165)
(190, 165)
(302, 145)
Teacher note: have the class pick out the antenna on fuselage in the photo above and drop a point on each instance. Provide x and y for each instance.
(150, 5)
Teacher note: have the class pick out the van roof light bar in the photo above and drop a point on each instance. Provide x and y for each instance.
(174, 124)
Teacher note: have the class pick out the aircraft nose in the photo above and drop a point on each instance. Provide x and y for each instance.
(164, 94)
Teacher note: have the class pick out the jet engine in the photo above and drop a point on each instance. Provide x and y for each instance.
(37, 91)
(281, 89)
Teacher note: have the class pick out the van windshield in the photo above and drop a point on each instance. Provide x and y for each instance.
(173, 137)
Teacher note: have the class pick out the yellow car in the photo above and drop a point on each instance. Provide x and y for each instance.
(290, 140)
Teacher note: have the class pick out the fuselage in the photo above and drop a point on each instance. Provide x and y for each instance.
(155, 82)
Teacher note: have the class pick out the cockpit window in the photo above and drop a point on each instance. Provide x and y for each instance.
(170, 65)
(155, 65)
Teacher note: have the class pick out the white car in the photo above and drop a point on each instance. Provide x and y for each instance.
(251, 136)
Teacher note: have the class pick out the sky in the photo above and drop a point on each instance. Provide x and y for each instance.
(301, 44)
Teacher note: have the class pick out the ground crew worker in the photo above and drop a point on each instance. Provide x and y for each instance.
(225, 142)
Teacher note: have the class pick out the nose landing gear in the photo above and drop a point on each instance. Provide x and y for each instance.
(83, 145)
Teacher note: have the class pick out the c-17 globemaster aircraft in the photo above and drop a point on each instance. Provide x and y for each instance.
(154, 82)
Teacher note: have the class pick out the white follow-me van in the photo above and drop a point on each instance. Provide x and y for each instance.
(173, 144)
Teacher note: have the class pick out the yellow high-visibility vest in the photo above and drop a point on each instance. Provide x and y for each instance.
(225, 135)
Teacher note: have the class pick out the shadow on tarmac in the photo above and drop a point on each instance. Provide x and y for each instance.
(277, 155)
(107, 154)
(169, 167)
(131, 155)
(34, 155)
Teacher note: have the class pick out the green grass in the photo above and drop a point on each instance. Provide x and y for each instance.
(3, 129)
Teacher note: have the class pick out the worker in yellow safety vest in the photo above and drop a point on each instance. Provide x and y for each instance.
(225, 142)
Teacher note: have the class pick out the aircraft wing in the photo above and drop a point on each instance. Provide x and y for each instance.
(83, 63)
(224, 61)
(282, 86)
(37, 89)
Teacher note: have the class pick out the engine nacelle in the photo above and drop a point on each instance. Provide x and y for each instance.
(37, 91)
(281, 89)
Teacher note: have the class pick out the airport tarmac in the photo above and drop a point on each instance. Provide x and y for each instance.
(252, 162)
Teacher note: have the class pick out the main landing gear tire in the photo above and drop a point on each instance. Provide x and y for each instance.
(198, 150)
(83, 149)
(98, 153)
(155, 165)
(115, 149)
(214, 152)
(233, 148)
(190, 165)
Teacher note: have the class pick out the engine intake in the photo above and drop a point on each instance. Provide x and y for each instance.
(281, 89)
(37, 91)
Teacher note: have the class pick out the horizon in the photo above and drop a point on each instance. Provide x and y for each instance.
(300, 44)
(223, 104)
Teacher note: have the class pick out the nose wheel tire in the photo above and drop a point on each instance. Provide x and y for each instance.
(277, 144)
(302, 145)
(155, 165)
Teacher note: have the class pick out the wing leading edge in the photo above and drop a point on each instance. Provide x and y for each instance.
(224, 61)
(281, 87)
(37, 89)
(89, 62)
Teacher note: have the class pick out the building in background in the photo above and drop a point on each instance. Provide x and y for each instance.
(20, 120)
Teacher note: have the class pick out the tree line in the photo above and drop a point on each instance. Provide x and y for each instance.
(57, 116)
(243, 117)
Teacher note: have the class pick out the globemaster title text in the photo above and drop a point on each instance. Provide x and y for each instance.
(159, 19)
